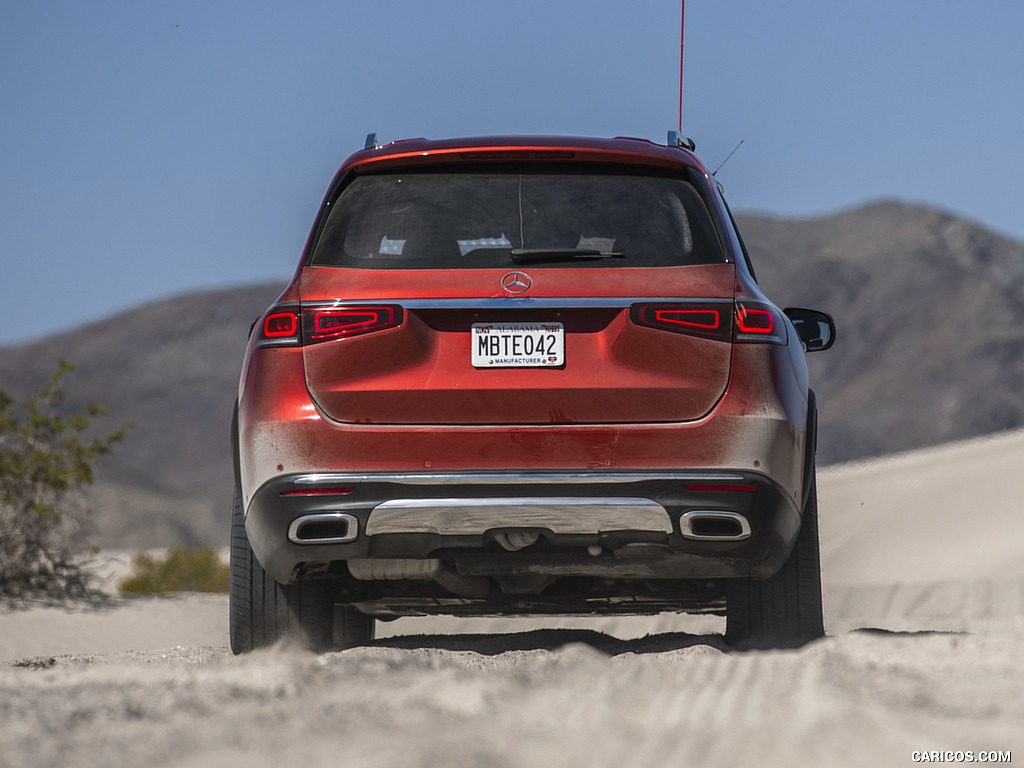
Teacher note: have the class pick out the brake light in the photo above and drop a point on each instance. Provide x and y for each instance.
(707, 319)
(331, 323)
(293, 325)
(519, 154)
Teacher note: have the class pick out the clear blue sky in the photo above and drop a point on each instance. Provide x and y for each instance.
(148, 149)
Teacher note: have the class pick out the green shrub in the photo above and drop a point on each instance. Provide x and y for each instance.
(47, 459)
(182, 570)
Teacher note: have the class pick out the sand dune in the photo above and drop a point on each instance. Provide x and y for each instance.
(926, 540)
(924, 594)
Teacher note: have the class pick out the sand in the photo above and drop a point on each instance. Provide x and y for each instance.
(924, 599)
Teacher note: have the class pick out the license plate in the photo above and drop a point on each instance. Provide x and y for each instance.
(518, 345)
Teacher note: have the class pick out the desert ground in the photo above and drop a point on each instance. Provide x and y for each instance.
(923, 565)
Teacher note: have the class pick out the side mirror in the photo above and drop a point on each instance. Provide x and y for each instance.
(816, 329)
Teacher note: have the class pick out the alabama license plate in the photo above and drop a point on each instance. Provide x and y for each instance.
(518, 345)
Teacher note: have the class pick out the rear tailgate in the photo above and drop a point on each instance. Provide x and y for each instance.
(605, 369)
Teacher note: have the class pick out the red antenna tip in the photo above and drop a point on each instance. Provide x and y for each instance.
(682, 30)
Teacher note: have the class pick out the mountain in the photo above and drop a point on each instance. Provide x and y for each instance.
(171, 367)
(930, 311)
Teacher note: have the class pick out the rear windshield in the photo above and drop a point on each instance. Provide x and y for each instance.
(498, 217)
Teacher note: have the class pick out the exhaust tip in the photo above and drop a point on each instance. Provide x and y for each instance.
(714, 525)
(323, 528)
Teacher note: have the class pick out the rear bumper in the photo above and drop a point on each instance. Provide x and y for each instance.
(629, 525)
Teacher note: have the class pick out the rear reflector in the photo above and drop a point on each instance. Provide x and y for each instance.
(722, 488)
(317, 492)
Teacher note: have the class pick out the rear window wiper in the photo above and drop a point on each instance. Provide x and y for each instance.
(527, 255)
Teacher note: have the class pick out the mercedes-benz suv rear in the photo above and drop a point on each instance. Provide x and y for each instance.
(518, 376)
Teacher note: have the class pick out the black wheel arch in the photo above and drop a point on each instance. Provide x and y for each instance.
(810, 447)
(235, 460)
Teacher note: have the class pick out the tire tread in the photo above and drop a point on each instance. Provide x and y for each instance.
(784, 611)
(263, 612)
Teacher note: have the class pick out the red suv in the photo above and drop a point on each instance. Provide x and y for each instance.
(525, 375)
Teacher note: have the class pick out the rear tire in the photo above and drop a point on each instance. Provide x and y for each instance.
(264, 612)
(785, 610)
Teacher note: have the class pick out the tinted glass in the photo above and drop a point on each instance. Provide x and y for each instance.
(473, 219)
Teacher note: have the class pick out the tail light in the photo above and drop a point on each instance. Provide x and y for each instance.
(707, 319)
(758, 322)
(328, 323)
(294, 325)
(742, 322)
(279, 327)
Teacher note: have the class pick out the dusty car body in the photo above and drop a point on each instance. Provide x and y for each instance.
(522, 375)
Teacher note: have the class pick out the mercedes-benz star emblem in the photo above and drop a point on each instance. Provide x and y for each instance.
(516, 282)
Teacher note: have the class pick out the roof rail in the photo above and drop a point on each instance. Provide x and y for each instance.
(676, 139)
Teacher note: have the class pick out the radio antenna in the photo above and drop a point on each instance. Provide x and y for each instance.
(715, 172)
(676, 138)
(682, 29)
